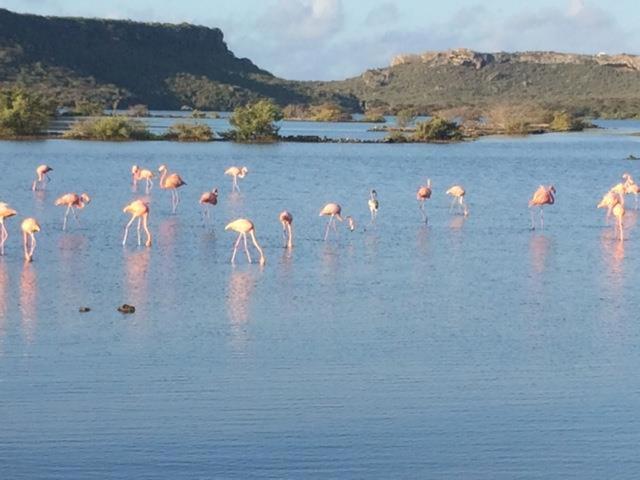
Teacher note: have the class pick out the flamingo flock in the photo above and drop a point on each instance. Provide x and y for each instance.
(613, 201)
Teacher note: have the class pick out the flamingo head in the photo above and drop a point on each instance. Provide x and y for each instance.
(625, 175)
(552, 189)
(374, 194)
(244, 171)
(85, 198)
(135, 169)
(162, 168)
(215, 191)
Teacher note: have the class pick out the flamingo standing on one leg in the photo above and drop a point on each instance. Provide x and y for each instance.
(171, 182)
(208, 199)
(423, 194)
(542, 196)
(333, 211)
(29, 227)
(458, 193)
(5, 212)
(236, 172)
(286, 219)
(140, 210)
(138, 174)
(73, 201)
(374, 205)
(244, 226)
(42, 177)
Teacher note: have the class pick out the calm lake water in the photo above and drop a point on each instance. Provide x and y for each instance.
(468, 348)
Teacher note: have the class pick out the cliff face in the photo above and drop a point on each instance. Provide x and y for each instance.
(469, 58)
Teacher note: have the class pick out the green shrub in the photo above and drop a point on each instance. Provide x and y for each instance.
(190, 132)
(87, 108)
(437, 129)
(255, 122)
(374, 117)
(23, 113)
(198, 114)
(565, 122)
(396, 136)
(328, 112)
(109, 128)
(404, 117)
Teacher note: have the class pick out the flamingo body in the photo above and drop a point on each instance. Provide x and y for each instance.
(236, 172)
(171, 181)
(5, 212)
(138, 209)
(243, 227)
(29, 227)
(286, 219)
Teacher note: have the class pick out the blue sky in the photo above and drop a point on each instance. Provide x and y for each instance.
(332, 39)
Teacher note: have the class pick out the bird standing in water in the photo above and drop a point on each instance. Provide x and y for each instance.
(171, 182)
(236, 172)
(42, 177)
(631, 187)
(458, 193)
(243, 226)
(423, 194)
(5, 212)
(612, 201)
(286, 219)
(138, 174)
(140, 210)
(207, 200)
(373, 205)
(73, 201)
(541, 197)
(29, 227)
(333, 211)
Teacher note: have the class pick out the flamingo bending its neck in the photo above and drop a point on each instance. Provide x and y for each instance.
(333, 211)
(423, 194)
(29, 227)
(72, 201)
(541, 197)
(138, 174)
(243, 226)
(458, 193)
(207, 200)
(236, 172)
(5, 212)
(140, 210)
(42, 177)
(286, 219)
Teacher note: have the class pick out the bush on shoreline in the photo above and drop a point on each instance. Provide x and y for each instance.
(189, 132)
(23, 113)
(255, 122)
(109, 128)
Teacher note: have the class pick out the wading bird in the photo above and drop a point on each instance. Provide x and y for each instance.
(29, 227)
(373, 205)
(171, 182)
(42, 177)
(140, 210)
(243, 226)
(236, 172)
(609, 200)
(286, 219)
(72, 201)
(458, 193)
(541, 197)
(5, 212)
(331, 210)
(423, 194)
(138, 174)
(208, 199)
(612, 201)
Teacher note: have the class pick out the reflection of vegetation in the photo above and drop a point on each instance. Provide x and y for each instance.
(23, 113)
(189, 132)
(109, 128)
(437, 129)
(255, 122)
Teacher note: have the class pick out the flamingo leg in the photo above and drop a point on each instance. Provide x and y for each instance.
(255, 244)
(138, 230)
(453, 203)
(290, 231)
(326, 230)
(33, 245)
(5, 235)
(75, 215)
(145, 225)
(149, 186)
(235, 248)
(246, 248)
(126, 230)
(620, 230)
(422, 212)
(66, 214)
(541, 218)
(24, 244)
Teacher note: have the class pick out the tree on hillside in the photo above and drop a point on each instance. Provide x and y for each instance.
(23, 113)
(256, 122)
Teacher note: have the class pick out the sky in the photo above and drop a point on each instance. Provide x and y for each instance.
(336, 39)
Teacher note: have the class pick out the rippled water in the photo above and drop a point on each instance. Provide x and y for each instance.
(464, 349)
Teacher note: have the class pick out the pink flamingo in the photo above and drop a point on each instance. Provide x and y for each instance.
(458, 193)
(374, 205)
(29, 227)
(42, 177)
(286, 219)
(138, 174)
(236, 172)
(243, 226)
(423, 194)
(631, 187)
(208, 199)
(171, 182)
(609, 200)
(333, 211)
(73, 201)
(5, 212)
(542, 196)
(140, 210)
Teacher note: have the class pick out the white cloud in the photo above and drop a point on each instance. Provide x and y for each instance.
(306, 20)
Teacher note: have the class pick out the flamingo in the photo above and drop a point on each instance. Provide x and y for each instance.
(5, 212)
(41, 177)
(373, 205)
(458, 193)
(244, 226)
(286, 219)
(73, 201)
(424, 193)
(331, 210)
(351, 223)
(609, 200)
(140, 210)
(207, 199)
(29, 227)
(138, 174)
(631, 187)
(171, 182)
(542, 196)
(236, 172)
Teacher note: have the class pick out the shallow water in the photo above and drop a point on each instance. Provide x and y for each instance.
(468, 348)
